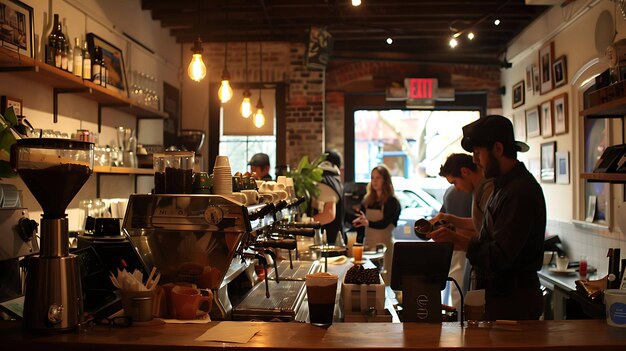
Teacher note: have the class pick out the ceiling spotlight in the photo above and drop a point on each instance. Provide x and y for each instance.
(496, 22)
(356, 2)
(389, 41)
(470, 35)
(453, 43)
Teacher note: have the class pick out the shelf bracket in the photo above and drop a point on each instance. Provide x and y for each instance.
(100, 107)
(17, 69)
(55, 100)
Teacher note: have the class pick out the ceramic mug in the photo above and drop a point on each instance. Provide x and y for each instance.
(239, 197)
(252, 197)
(186, 301)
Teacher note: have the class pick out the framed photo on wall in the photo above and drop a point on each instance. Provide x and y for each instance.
(546, 119)
(533, 126)
(559, 70)
(529, 77)
(548, 165)
(519, 123)
(561, 117)
(518, 94)
(562, 167)
(536, 82)
(113, 61)
(16, 26)
(546, 55)
(7, 101)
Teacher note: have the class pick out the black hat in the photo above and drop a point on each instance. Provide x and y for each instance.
(334, 157)
(259, 160)
(486, 131)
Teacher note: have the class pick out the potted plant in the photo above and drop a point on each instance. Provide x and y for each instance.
(305, 179)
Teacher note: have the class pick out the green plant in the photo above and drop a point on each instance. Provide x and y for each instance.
(10, 127)
(305, 179)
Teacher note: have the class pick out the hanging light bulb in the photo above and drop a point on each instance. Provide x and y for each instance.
(470, 36)
(356, 2)
(246, 105)
(196, 69)
(259, 117)
(453, 43)
(225, 92)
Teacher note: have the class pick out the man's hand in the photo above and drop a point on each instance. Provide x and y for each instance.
(444, 234)
(441, 216)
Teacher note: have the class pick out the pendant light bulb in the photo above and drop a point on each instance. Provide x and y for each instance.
(246, 105)
(225, 93)
(196, 70)
(259, 117)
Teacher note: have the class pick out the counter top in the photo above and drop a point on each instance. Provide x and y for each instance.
(528, 335)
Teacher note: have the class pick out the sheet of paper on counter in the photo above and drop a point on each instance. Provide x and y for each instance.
(187, 321)
(237, 332)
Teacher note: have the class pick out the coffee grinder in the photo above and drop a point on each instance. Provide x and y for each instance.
(54, 170)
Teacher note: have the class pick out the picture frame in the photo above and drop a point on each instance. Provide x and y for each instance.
(559, 71)
(562, 167)
(536, 82)
(546, 55)
(519, 123)
(546, 119)
(529, 77)
(533, 124)
(113, 61)
(548, 164)
(7, 101)
(16, 22)
(518, 94)
(561, 114)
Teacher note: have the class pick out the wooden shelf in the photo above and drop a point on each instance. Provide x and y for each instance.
(604, 177)
(612, 109)
(62, 81)
(122, 170)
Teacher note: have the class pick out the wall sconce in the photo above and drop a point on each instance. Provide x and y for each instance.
(196, 70)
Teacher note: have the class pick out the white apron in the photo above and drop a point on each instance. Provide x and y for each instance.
(380, 236)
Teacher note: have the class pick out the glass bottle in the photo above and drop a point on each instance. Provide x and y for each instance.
(95, 67)
(86, 62)
(60, 42)
(51, 47)
(78, 58)
(70, 56)
(64, 59)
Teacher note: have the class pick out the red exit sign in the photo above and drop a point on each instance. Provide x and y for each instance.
(421, 88)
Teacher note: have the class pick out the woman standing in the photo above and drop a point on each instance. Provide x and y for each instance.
(380, 215)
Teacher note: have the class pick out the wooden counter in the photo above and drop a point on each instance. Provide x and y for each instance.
(584, 335)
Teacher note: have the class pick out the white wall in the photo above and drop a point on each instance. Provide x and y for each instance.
(572, 29)
(108, 19)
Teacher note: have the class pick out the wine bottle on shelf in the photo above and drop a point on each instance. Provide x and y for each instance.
(64, 59)
(78, 58)
(42, 46)
(96, 68)
(70, 56)
(51, 47)
(60, 43)
(86, 62)
(104, 73)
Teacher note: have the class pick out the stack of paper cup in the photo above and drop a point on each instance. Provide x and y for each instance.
(222, 176)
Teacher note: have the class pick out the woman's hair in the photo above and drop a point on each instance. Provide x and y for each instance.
(371, 197)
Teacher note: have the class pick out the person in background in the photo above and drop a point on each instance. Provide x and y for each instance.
(380, 214)
(328, 205)
(466, 178)
(260, 166)
(509, 249)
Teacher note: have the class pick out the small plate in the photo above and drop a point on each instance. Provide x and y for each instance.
(565, 271)
(357, 262)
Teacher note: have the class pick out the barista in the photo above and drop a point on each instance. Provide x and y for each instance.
(260, 166)
(509, 249)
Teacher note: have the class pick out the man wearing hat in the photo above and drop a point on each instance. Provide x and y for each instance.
(509, 249)
(260, 166)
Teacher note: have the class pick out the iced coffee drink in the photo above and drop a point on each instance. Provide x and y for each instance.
(321, 291)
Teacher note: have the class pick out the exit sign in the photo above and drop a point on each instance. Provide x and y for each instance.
(421, 88)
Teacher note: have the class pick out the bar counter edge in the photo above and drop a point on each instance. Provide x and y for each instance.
(527, 335)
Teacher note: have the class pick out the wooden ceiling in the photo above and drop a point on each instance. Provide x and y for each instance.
(420, 29)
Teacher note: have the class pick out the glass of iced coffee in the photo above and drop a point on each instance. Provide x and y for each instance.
(321, 289)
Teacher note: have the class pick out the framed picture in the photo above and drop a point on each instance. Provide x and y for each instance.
(518, 94)
(519, 123)
(546, 119)
(561, 117)
(559, 71)
(536, 83)
(533, 126)
(16, 26)
(562, 167)
(546, 55)
(534, 167)
(6, 102)
(529, 77)
(548, 165)
(113, 61)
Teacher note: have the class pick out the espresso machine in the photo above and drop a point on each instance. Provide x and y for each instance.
(213, 241)
(54, 170)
